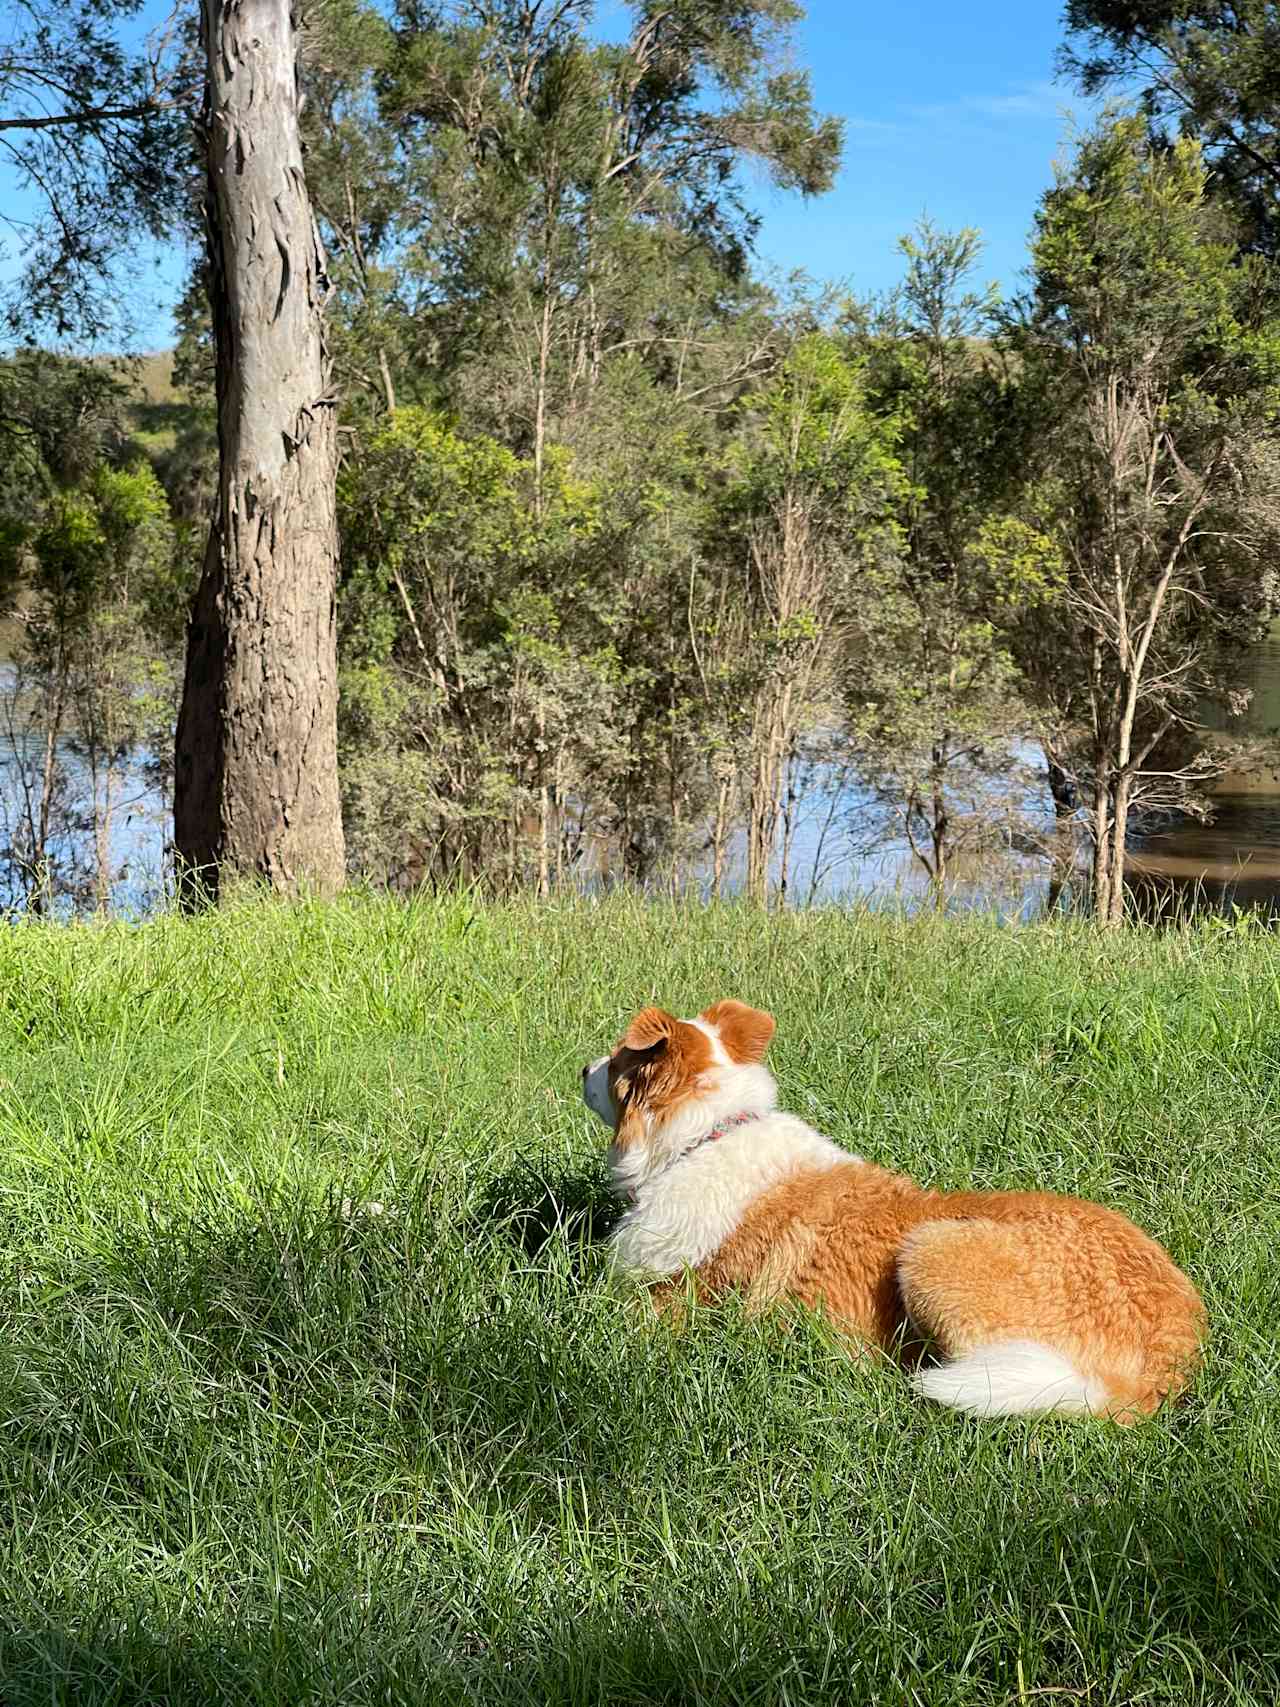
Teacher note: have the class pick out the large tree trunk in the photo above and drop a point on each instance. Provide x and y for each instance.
(256, 772)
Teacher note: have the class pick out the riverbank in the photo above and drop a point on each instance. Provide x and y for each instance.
(832, 855)
(267, 1442)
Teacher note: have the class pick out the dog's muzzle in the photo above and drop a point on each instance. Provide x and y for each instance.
(595, 1091)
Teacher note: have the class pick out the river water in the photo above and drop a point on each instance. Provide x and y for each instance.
(1233, 860)
(139, 820)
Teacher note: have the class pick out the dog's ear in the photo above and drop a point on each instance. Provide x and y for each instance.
(653, 1056)
(745, 1032)
(652, 1028)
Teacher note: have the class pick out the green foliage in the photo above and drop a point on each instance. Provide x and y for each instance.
(94, 134)
(1149, 346)
(96, 539)
(1140, 292)
(1208, 69)
(1021, 567)
(1119, 203)
(541, 247)
(815, 470)
(514, 207)
(478, 644)
(92, 566)
(929, 688)
(59, 417)
(812, 425)
(69, 548)
(635, 551)
(102, 594)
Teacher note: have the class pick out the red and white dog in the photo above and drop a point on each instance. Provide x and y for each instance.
(1035, 1302)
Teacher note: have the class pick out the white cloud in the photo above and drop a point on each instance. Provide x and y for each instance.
(1040, 102)
(868, 132)
(1029, 100)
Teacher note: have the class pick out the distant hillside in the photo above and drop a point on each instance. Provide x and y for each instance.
(155, 378)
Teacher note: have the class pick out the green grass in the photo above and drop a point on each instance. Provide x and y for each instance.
(258, 1451)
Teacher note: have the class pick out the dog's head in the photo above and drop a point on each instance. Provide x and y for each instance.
(667, 1078)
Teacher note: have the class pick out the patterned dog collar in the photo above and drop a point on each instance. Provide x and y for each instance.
(717, 1131)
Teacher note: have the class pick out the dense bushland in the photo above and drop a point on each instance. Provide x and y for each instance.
(642, 557)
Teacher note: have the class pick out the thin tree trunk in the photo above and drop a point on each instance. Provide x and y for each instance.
(1101, 846)
(256, 764)
(41, 888)
(557, 807)
(102, 811)
(762, 817)
(544, 807)
(939, 827)
(765, 806)
(834, 792)
(718, 838)
(41, 892)
(544, 349)
(540, 408)
(388, 387)
(544, 841)
(788, 825)
(1119, 830)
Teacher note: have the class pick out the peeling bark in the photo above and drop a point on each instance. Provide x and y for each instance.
(256, 772)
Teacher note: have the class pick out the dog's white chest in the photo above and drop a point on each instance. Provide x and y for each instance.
(674, 1227)
(682, 1218)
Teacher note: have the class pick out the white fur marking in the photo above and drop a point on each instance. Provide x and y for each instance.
(1012, 1378)
(685, 1206)
(595, 1091)
(682, 1216)
(719, 1054)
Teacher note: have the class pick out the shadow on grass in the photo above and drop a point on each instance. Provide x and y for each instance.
(533, 1208)
(401, 1328)
(396, 1349)
(1109, 1602)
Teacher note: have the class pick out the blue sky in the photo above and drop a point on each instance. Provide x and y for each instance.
(949, 110)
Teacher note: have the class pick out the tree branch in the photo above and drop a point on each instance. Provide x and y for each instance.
(87, 116)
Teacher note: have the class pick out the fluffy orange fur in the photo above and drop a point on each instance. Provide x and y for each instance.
(655, 1066)
(890, 1262)
(896, 1265)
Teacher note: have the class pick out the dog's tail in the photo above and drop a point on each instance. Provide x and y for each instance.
(1012, 1378)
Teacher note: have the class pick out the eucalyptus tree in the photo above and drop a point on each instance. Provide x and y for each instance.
(803, 520)
(580, 203)
(571, 282)
(931, 692)
(256, 768)
(1207, 69)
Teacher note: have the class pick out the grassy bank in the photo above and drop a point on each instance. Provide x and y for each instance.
(257, 1449)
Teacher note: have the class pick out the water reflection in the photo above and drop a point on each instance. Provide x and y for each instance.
(136, 848)
(1234, 861)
